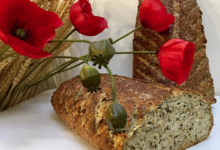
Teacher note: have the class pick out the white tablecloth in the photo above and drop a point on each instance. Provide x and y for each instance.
(33, 125)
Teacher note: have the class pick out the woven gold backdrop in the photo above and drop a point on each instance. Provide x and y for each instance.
(14, 68)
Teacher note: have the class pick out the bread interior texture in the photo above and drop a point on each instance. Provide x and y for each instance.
(175, 124)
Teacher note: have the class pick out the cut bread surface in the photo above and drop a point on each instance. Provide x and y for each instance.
(175, 124)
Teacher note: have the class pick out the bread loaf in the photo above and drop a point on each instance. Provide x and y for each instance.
(187, 26)
(159, 117)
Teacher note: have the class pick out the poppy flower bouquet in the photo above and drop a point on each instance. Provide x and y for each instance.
(28, 33)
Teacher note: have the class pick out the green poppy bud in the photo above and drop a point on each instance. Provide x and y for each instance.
(101, 52)
(90, 78)
(116, 117)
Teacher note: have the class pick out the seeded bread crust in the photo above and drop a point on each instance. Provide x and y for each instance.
(187, 26)
(84, 112)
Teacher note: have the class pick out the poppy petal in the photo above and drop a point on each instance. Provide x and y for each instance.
(24, 48)
(176, 59)
(153, 15)
(84, 21)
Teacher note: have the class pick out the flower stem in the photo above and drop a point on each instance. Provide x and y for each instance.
(137, 52)
(127, 34)
(61, 66)
(87, 58)
(45, 75)
(74, 59)
(4, 50)
(12, 54)
(84, 41)
(50, 75)
(112, 82)
(13, 98)
(71, 67)
(58, 45)
(68, 63)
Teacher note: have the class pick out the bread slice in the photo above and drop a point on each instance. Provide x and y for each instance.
(159, 117)
(187, 26)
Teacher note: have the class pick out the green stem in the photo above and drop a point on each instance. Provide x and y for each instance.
(4, 50)
(87, 58)
(40, 78)
(60, 71)
(112, 82)
(127, 34)
(137, 52)
(14, 98)
(67, 63)
(41, 63)
(61, 66)
(58, 45)
(7, 57)
(71, 67)
(84, 41)
(71, 32)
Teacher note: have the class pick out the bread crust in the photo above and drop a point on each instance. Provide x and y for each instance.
(84, 112)
(187, 26)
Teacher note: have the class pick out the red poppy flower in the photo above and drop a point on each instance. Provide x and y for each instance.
(84, 21)
(176, 59)
(26, 27)
(153, 15)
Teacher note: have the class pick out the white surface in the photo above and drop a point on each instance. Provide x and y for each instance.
(121, 17)
(33, 125)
